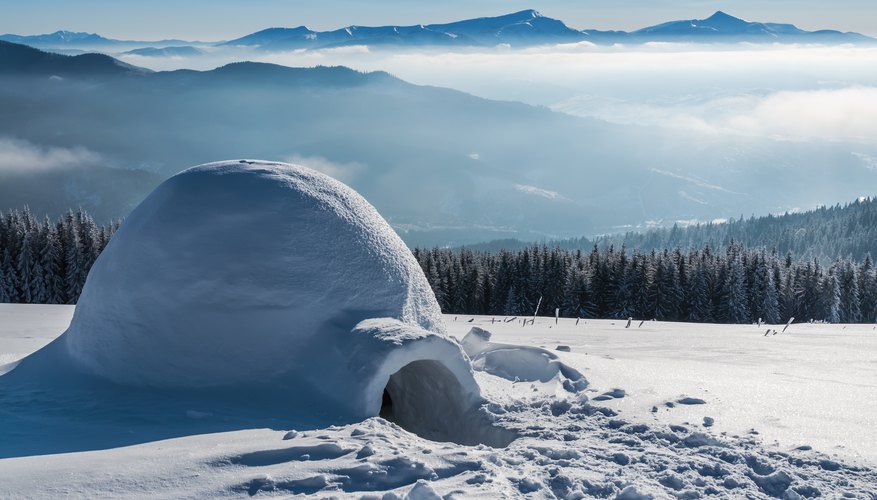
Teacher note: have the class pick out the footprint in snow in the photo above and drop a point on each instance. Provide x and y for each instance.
(690, 401)
(613, 394)
(324, 451)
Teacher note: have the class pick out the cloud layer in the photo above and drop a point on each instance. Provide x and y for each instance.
(18, 156)
(786, 91)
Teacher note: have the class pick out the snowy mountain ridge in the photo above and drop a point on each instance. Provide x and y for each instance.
(725, 27)
(519, 29)
(82, 40)
(526, 27)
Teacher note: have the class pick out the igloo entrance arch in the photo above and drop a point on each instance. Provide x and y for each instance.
(425, 398)
(423, 383)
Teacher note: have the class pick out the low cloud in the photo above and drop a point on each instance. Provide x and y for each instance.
(344, 172)
(348, 49)
(870, 162)
(843, 114)
(848, 114)
(18, 156)
(790, 92)
(577, 46)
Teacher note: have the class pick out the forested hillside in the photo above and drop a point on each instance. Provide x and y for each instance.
(826, 233)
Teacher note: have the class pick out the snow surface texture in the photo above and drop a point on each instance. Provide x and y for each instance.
(23, 330)
(248, 280)
(569, 447)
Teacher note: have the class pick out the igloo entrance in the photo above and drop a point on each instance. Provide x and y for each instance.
(425, 398)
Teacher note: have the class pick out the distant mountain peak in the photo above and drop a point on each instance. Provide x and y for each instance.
(520, 16)
(73, 35)
(723, 27)
(719, 14)
(721, 18)
(529, 13)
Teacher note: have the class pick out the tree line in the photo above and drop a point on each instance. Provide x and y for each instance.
(729, 285)
(44, 261)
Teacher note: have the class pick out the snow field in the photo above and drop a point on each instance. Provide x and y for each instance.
(815, 385)
(26, 328)
(570, 445)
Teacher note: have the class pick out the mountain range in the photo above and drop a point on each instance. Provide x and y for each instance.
(14, 60)
(443, 166)
(521, 29)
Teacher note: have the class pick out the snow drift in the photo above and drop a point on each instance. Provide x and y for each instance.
(251, 274)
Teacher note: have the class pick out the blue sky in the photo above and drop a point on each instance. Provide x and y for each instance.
(224, 19)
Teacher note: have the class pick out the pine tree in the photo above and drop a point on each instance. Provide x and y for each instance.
(699, 294)
(668, 290)
(851, 311)
(788, 297)
(511, 303)
(770, 307)
(643, 281)
(830, 299)
(5, 284)
(48, 261)
(73, 260)
(27, 279)
(737, 299)
(868, 292)
(8, 278)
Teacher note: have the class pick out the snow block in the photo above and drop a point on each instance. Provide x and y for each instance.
(250, 273)
(514, 362)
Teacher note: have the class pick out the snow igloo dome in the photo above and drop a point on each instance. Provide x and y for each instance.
(246, 273)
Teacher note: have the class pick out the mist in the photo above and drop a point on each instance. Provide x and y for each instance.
(19, 156)
(782, 92)
(609, 138)
(669, 74)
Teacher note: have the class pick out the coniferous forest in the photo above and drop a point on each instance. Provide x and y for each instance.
(45, 261)
(730, 285)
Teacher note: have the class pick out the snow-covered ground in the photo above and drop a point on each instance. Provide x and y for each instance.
(26, 328)
(813, 385)
(790, 415)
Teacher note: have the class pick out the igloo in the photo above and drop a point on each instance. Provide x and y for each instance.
(247, 274)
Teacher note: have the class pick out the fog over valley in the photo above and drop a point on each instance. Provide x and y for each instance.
(534, 142)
